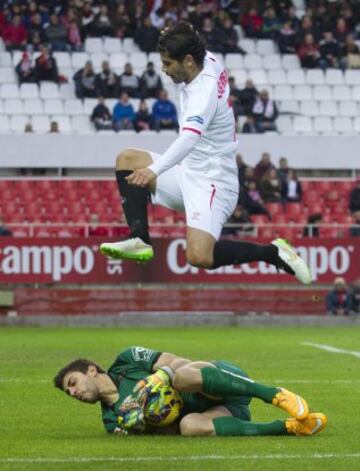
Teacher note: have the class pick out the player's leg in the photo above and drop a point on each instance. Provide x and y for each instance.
(220, 379)
(207, 210)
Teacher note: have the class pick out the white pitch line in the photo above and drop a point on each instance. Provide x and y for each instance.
(119, 459)
(332, 349)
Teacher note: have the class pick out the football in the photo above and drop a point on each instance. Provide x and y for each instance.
(163, 406)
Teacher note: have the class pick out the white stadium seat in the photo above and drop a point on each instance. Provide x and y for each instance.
(49, 90)
(7, 75)
(40, 123)
(93, 45)
(112, 45)
(322, 92)
(138, 59)
(248, 45)
(289, 106)
(10, 90)
(283, 92)
(309, 108)
(89, 105)
(1, 106)
(252, 61)
(78, 59)
(302, 92)
(341, 92)
(129, 46)
(315, 77)
(323, 124)
(284, 124)
(234, 61)
(18, 123)
(302, 124)
(5, 59)
(73, 106)
(291, 61)
(265, 47)
(63, 122)
(13, 106)
(355, 93)
(155, 58)
(356, 124)
(328, 108)
(82, 125)
(272, 62)
(277, 77)
(4, 124)
(296, 77)
(97, 58)
(53, 106)
(348, 108)
(118, 60)
(33, 106)
(67, 90)
(29, 90)
(334, 77)
(352, 77)
(63, 59)
(258, 76)
(343, 124)
(239, 75)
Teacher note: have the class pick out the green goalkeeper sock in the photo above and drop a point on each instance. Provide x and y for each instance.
(231, 426)
(220, 383)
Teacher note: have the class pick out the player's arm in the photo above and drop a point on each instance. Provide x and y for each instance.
(170, 360)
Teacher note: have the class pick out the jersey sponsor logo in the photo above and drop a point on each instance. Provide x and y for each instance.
(222, 82)
(140, 353)
(196, 216)
(197, 119)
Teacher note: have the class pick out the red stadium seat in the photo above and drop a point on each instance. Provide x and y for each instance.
(265, 232)
(274, 208)
(307, 185)
(259, 219)
(280, 219)
(324, 186)
(293, 209)
(344, 186)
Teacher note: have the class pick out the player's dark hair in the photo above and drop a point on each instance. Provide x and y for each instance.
(81, 364)
(181, 39)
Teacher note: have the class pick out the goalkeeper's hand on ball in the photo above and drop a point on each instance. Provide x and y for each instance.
(131, 416)
(151, 384)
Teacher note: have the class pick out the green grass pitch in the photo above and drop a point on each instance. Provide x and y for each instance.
(42, 428)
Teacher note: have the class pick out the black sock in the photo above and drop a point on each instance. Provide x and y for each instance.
(134, 202)
(230, 252)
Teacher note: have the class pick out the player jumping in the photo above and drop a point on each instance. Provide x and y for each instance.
(197, 174)
(216, 395)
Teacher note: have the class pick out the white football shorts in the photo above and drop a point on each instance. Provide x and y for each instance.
(206, 204)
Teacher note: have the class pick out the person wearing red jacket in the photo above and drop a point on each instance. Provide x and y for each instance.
(252, 23)
(15, 34)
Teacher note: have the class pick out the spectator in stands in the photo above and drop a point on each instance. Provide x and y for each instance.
(270, 187)
(101, 25)
(14, 34)
(74, 37)
(312, 227)
(287, 39)
(129, 82)
(4, 231)
(234, 98)
(24, 69)
(341, 31)
(147, 36)
(122, 22)
(106, 82)
(271, 24)
(87, 17)
(151, 83)
(101, 116)
(262, 167)
(46, 67)
(248, 176)
(251, 199)
(291, 188)
(350, 54)
(338, 300)
(329, 50)
(265, 112)
(355, 228)
(241, 218)
(283, 169)
(164, 113)
(247, 97)
(307, 27)
(354, 203)
(249, 127)
(54, 128)
(85, 82)
(95, 229)
(291, 17)
(142, 117)
(123, 113)
(28, 129)
(212, 35)
(57, 34)
(252, 23)
(355, 297)
(36, 33)
(229, 37)
(309, 53)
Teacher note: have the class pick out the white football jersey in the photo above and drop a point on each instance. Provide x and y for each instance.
(204, 110)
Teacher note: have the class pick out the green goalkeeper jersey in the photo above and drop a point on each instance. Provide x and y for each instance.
(136, 363)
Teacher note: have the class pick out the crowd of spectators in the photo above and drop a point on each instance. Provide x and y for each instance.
(343, 300)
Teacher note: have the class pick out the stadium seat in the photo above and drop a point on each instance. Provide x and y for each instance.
(63, 122)
(33, 106)
(259, 219)
(82, 125)
(352, 77)
(93, 45)
(40, 123)
(290, 61)
(274, 208)
(18, 123)
(258, 76)
(29, 90)
(73, 106)
(357, 124)
(155, 58)
(13, 106)
(89, 105)
(334, 77)
(289, 106)
(118, 60)
(343, 124)
(284, 124)
(283, 92)
(328, 108)
(54, 106)
(63, 59)
(5, 59)
(138, 60)
(315, 77)
(67, 90)
(97, 58)
(78, 59)
(276, 77)
(10, 90)
(248, 45)
(323, 124)
(112, 45)
(234, 61)
(129, 46)
(252, 61)
(322, 92)
(265, 47)
(302, 92)
(341, 93)
(348, 108)
(240, 76)
(7, 75)
(49, 90)
(309, 108)
(302, 124)
(355, 93)
(296, 77)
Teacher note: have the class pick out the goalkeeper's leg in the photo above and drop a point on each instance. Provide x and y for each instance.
(218, 382)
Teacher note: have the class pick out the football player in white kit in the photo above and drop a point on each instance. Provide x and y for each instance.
(198, 172)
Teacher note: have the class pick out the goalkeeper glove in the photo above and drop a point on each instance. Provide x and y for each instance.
(150, 384)
(131, 416)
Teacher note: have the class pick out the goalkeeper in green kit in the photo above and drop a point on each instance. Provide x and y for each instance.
(214, 396)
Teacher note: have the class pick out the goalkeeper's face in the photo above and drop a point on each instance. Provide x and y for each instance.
(82, 386)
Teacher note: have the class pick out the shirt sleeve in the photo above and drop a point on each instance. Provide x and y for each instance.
(145, 358)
